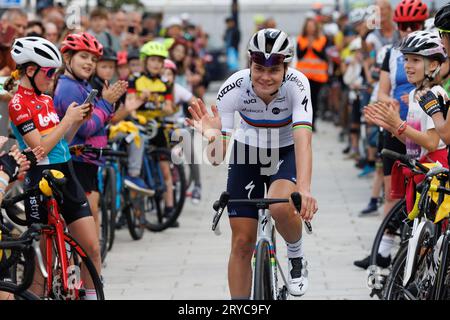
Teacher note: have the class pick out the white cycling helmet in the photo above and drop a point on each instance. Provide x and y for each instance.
(424, 43)
(36, 49)
(357, 15)
(269, 41)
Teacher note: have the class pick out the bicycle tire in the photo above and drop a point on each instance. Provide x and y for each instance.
(110, 199)
(18, 294)
(262, 279)
(104, 226)
(421, 252)
(135, 221)
(397, 212)
(79, 260)
(395, 279)
(442, 288)
(157, 221)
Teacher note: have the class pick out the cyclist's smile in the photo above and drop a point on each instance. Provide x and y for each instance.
(266, 80)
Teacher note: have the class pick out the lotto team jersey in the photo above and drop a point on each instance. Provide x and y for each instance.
(29, 111)
(265, 125)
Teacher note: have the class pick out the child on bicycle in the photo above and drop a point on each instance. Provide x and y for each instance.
(81, 53)
(158, 102)
(35, 123)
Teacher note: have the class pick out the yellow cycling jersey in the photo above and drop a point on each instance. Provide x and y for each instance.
(160, 92)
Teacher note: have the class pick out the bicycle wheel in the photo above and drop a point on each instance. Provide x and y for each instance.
(104, 226)
(134, 212)
(442, 291)
(419, 285)
(262, 279)
(392, 224)
(77, 260)
(393, 289)
(110, 194)
(157, 220)
(18, 294)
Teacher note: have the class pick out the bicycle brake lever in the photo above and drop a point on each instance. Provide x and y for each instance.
(297, 200)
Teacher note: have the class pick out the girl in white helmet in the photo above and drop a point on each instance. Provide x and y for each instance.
(36, 123)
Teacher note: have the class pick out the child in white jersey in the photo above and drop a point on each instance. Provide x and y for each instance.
(424, 54)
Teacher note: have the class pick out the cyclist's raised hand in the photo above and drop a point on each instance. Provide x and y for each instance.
(76, 113)
(309, 206)
(202, 121)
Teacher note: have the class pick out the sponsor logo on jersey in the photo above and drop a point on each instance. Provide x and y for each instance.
(21, 117)
(305, 103)
(252, 110)
(45, 120)
(250, 101)
(15, 102)
(27, 127)
(298, 82)
(230, 87)
(278, 110)
(280, 99)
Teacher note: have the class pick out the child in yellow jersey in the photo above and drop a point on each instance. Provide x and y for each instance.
(158, 102)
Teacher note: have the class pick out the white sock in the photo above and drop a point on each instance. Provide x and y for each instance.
(91, 294)
(295, 250)
(387, 242)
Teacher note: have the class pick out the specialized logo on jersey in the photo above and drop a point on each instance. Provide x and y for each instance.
(305, 103)
(230, 87)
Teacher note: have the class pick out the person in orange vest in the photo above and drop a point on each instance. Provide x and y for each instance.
(312, 59)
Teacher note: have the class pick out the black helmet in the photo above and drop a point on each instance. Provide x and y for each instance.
(133, 54)
(108, 55)
(442, 18)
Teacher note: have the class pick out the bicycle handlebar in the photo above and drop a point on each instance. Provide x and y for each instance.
(224, 200)
(99, 152)
(409, 162)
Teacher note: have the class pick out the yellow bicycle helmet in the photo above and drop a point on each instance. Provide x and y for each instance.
(153, 48)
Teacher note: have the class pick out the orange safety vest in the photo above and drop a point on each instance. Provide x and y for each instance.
(310, 65)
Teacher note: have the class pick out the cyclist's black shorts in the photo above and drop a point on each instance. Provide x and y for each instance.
(247, 178)
(35, 207)
(87, 175)
(159, 140)
(391, 143)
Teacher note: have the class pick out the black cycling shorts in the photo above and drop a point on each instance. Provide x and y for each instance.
(35, 206)
(391, 143)
(87, 175)
(159, 140)
(261, 167)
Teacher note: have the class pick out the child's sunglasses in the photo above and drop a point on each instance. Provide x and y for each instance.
(48, 71)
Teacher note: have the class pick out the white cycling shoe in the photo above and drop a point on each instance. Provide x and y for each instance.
(297, 276)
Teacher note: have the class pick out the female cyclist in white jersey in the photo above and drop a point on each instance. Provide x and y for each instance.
(274, 103)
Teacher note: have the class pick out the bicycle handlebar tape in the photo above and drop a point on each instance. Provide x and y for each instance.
(219, 206)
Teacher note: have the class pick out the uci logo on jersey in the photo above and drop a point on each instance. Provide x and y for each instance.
(44, 121)
(250, 101)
